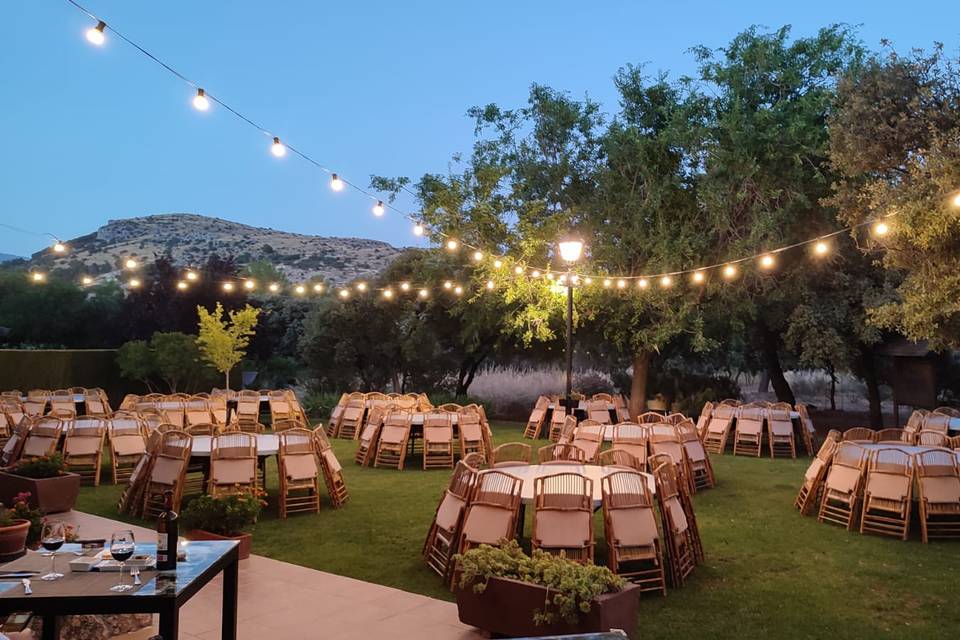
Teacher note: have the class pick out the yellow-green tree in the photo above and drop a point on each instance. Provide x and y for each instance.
(223, 341)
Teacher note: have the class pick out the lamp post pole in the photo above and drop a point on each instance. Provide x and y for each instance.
(569, 343)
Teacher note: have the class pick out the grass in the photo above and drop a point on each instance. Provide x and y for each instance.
(767, 571)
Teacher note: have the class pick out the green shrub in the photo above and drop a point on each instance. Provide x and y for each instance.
(228, 515)
(39, 468)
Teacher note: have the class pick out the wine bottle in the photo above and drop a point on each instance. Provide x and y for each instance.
(167, 535)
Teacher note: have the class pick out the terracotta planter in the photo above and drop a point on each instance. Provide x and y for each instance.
(245, 540)
(13, 539)
(506, 607)
(49, 495)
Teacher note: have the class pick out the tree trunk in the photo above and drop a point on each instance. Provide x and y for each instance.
(638, 385)
(873, 387)
(771, 360)
(226, 385)
(833, 388)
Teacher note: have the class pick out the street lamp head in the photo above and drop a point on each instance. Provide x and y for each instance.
(570, 250)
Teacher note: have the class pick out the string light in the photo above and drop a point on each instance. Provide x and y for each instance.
(318, 288)
(378, 209)
(133, 283)
(95, 34)
(423, 293)
(575, 278)
(274, 287)
(388, 293)
(191, 276)
(447, 285)
(277, 148)
(336, 183)
(588, 280)
(181, 285)
(881, 229)
(698, 277)
(228, 286)
(38, 277)
(767, 261)
(621, 284)
(518, 270)
(643, 283)
(361, 286)
(405, 286)
(458, 290)
(300, 289)
(490, 285)
(606, 283)
(729, 271)
(200, 101)
(344, 293)
(418, 229)
(478, 256)
(249, 285)
(497, 264)
(131, 264)
(956, 200)
(59, 247)
(86, 281)
(562, 278)
(549, 276)
(535, 273)
(666, 281)
(821, 248)
(452, 244)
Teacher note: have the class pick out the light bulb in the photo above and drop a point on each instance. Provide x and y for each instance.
(535, 273)
(182, 285)
(497, 264)
(86, 280)
(729, 271)
(191, 275)
(423, 293)
(881, 229)
(562, 278)
(249, 285)
(698, 277)
(228, 286)
(518, 270)
(458, 290)
(131, 263)
(274, 287)
(447, 285)
(133, 283)
(621, 284)
(344, 293)
(607, 283)
(490, 284)
(95, 34)
(378, 209)
(549, 276)
(38, 277)
(318, 288)
(643, 283)
(300, 289)
(405, 286)
(336, 183)
(956, 199)
(588, 280)
(361, 286)
(387, 293)
(418, 229)
(277, 148)
(59, 247)
(821, 248)
(200, 101)
(666, 281)
(767, 261)
(452, 244)
(478, 256)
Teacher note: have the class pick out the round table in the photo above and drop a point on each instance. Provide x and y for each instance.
(528, 473)
(268, 444)
(912, 449)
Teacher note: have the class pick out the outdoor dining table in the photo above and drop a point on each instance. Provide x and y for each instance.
(80, 593)
(268, 444)
(912, 449)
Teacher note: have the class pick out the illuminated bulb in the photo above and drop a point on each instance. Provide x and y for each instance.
(621, 284)
(274, 287)
(458, 290)
(575, 278)
(378, 208)
(549, 276)
(452, 244)
(588, 281)
(880, 229)
(666, 281)
(698, 277)
(497, 264)
(729, 271)
(95, 34)
(418, 229)
(300, 289)
(518, 270)
(478, 255)
(562, 278)
(228, 286)
(249, 285)
(318, 288)
(38, 277)
(200, 101)
(344, 293)
(133, 283)
(59, 247)
(387, 293)
(607, 283)
(277, 148)
(361, 286)
(336, 183)
(447, 285)
(405, 286)
(643, 283)
(956, 200)
(85, 280)
(182, 285)
(535, 274)
(767, 261)
(191, 275)
(490, 284)
(130, 263)
(821, 248)
(423, 293)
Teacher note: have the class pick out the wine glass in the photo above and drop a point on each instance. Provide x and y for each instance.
(51, 538)
(122, 545)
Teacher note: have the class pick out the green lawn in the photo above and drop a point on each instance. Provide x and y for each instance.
(767, 570)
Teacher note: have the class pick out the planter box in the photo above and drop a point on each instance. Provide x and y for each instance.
(49, 495)
(506, 607)
(245, 540)
(13, 539)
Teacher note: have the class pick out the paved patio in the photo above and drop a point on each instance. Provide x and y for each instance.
(284, 601)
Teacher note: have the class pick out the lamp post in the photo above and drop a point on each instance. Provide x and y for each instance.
(570, 250)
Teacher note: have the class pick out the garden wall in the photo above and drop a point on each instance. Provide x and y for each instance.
(25, 369)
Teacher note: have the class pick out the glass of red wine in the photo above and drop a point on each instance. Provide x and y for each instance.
(122, 546)
(52, 538)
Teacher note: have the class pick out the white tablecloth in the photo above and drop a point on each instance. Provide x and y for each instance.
(268, 444)
(529, 473)
(912, 449)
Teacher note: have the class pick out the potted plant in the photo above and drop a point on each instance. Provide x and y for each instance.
(227, 517)
(15, 528)
(504, 591)
(51, 489)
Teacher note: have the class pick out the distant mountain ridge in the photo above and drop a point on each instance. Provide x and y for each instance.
(7, 257)
(190, 239)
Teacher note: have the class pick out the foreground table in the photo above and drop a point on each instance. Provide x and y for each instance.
(89, 593)
(528, 473)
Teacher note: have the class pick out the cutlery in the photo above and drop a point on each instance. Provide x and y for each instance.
(26, 587)
(18, 574)
(135, 571)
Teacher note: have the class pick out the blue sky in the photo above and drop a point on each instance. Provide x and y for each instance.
(93, 134)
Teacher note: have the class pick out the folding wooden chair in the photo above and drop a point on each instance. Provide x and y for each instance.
(564, 431)
(470, 432)
(619, 458)
(563, 516)
(95, 404)
(127, 445)
(894, 434)
(559, 421)
(589, 436)
(392, 446)
(511, 454)
(748, 435)
(630, 526)
(809, 494)
(299, 474)
(704, 419)
(843, 486)
(914, 423)
(664, 439)
(43, 438)
(888, 494)
(367, 443)
(718, 429)
(620, 407)
(333, 425)
(701, 469)
(247, 416)
(780, 433)
(681, 557)
(632, 438)
(169, 464)
(535, 421)
(938, 483)
(13, 447)
(928, 438)
(36, 402)
(197, 411)
(859, 434)
(83, 448)
(599, 411)
(172, 410)
(437, 440)
(62, 402)
(650, 417)
(233, 464)
(807, 430)
(561, 454)
(492, 509)
(351, 419)
(444, 532)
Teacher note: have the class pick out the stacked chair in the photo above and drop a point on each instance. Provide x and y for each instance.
(299, 475)
(665, 440)
(233, 463)
(888, 494)
(127, 446)
(471, 430)
(332, 471)
(43, 437)
(701, 469)
(938, 484)
(589, 436)
(166, 473)
(718, 429)
(842, 487)
(536, 419)
(247, 416)
(444, 533)
(83, 447)
(675, 525)
(632, 438)
(367, 444)
(813, 477)
(780, 427)
(392, 444)
(563, 516)
(492, 510)
(563, 431)
(437, 441)
(633, 542)
(748, 436)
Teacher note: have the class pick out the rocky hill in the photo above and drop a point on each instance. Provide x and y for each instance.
(191, 238)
